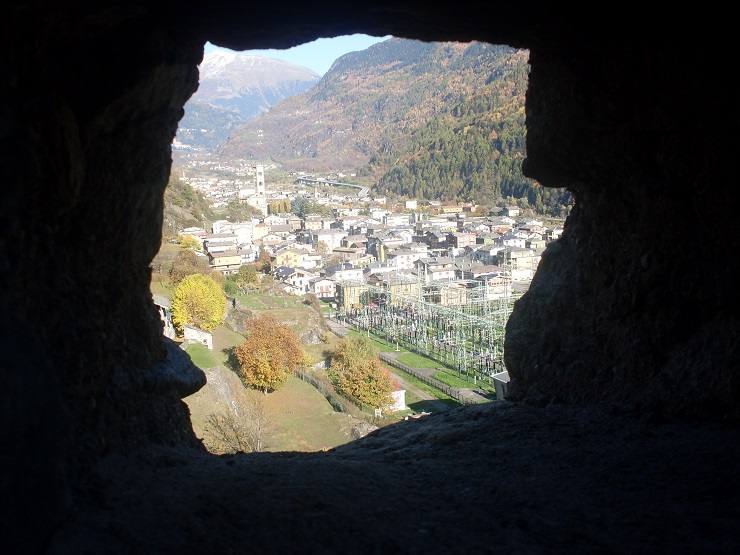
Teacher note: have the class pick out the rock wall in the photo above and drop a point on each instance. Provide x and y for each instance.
(86, 119)
(633, 304)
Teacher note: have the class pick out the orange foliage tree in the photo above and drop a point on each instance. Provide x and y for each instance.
(269, 353)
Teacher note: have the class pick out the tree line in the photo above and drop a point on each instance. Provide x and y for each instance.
(472, 152)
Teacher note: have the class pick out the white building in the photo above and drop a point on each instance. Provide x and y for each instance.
(299, 282)
(511, 240)
(404, 258)
(220, 242)
(393, 220)
(195, 335)
(257, 196)
(399, 400)
(344, 272)
(323, 288)
(331, 237)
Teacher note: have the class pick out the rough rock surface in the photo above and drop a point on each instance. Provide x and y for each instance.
(634, 303)
(222, 393)
(479, 479)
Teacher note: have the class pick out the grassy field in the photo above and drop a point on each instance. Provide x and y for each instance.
(317, 353)
(201, 356)
(377, 344)
(266, 301)
(461, 382)
(433, 391)
(443, 373)
(301, 419)
(415, 360)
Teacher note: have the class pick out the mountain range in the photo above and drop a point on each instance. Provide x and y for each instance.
(436, 120)
(235, 87)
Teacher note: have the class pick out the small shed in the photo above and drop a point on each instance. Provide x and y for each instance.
(501, 381)
(399, 400)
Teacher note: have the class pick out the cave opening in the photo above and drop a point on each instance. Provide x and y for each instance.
(623, 353)
(447, 312)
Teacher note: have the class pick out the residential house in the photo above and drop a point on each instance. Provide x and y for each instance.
(436, 269)
(393, 220)
(226, 262)
(406, 256)
(275, 219)
(460, 240)
(354, 242)
(331, 237)
(299, 282)
(294, 222)
(349, 294)
(553, 234)
(312, 222)
(344, 272)
(488, 254)
(451, 209)
(283, 230)
(435, 239)
(249, 254)
(521, 262)
(512, 240)
(323, 287)
(537, 245)
(220, 242)
(271, 240)
(295, 280)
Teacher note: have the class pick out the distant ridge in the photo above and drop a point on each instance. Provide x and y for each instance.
(435, 120)
(235, 87)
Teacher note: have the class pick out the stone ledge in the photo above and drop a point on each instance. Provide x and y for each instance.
(176, 374)
(501, 476)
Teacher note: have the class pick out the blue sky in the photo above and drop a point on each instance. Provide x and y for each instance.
(319, 54)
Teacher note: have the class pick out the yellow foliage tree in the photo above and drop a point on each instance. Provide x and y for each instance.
(269, 354)
(356, 372)
(190, 242)
(198, 301)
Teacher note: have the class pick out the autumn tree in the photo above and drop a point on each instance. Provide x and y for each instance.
(279, 206)
(247, 276)
(198, 301)
(269, 353)
(190, 242)
(356, 372)
(264, 262)
(186, 263)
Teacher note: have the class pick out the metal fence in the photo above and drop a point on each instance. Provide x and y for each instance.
(339, 403)
(449, 390)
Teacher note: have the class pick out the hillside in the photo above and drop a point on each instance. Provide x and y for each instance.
(183, 207)
(235, 87)
(427, 120)
(366, 103)
(473, 150)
